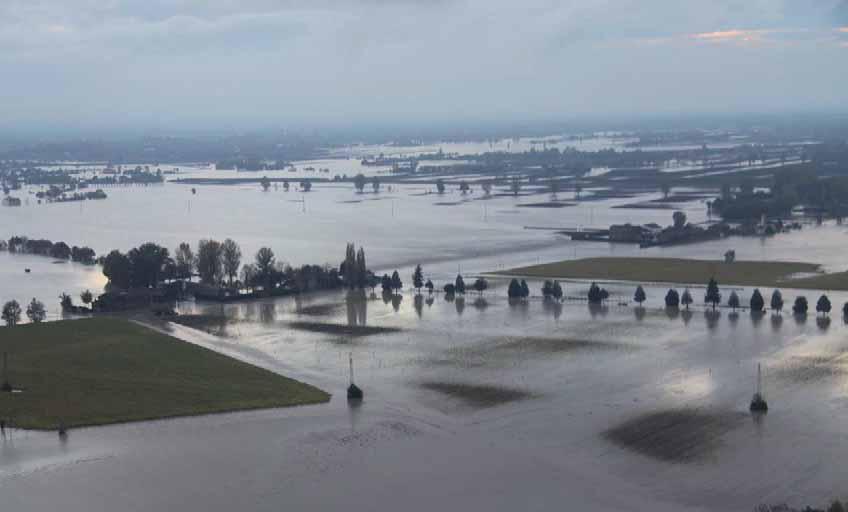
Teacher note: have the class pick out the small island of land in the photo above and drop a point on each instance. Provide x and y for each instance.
(682, 271)
(106, 370)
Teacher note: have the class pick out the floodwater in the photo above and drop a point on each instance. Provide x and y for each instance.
(473, 404)
(477, 404)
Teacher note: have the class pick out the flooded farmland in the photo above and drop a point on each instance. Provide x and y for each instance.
(474, 394)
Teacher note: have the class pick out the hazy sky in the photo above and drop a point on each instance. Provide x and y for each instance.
(105, 63)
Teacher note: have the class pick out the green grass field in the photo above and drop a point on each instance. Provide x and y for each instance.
(683, 271)
(107, 370)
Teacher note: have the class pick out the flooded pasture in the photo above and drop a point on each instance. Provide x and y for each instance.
(560, 404)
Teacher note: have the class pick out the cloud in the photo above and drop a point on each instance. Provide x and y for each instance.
(290, 61)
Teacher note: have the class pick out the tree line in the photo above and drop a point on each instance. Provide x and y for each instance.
(43, 247)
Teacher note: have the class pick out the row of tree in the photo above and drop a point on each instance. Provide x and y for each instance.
(44, 247)
(36, 312)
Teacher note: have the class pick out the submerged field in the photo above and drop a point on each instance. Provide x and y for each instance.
(100, 371)
(678, 270)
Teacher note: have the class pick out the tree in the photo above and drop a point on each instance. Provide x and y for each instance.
(86, 297)
(525, 290)
(386, 283)
(557, 291)
(248, 275)
(800, 307)
(686, 298)
(757, 303)
(639, 296)
(306, 185)
(449, 290)
(460, 285)
(823, 305)
(463, 187)
(12, 313)
(429, 286)
(397, 284)
(733, 301)
(480, 285)
(209, 261)
(375, 184)
(548, 289)
(230, 259)
(597, 294)
(730, 256)
(265, 267)
(487, 188)
(116, 268)
(672, 299)
(359, 182)
(147, 262)
(440, 186)
(845, 310)
(776, 301)
(418, 278)
(666, 189)
(578, 189)
(515, 185)
(184, 259)
(360, 269)
(514, 290)
(348, 267)
(36, 311)
(713, 296)
(266, 183)
(60, 251)
(679, 219)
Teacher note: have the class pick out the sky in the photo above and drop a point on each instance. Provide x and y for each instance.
(109, 64)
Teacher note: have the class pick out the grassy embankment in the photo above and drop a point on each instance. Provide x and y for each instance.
(105, 370)
(673, 270)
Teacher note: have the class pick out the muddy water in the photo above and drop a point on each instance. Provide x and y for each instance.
(488, 406)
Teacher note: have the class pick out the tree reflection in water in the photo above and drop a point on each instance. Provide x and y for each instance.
(356, 305)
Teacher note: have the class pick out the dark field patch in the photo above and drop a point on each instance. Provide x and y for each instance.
(503, 350)
(319, 309)
(682, 435)
(557, 345)
(477, 396)
(808, 369)
(647, 205)
(351, 331)
(548, 204)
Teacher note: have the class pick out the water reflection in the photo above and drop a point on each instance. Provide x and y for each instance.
(553, 307)
(712, 317)
(430, 300)
(776, 322)
(596, 310)
(756, 318)
(733, 318)
(686, 315)
(800, 318)
(396, 301)
(356, 306)
(823, 322)
(460, 305)
(267, 312)
(418, 304)
(672, 313)
(639, 313)
(480, 304)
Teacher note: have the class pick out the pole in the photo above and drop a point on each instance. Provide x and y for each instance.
(350, 355)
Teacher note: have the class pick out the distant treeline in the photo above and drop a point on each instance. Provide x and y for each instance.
(43, 247)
